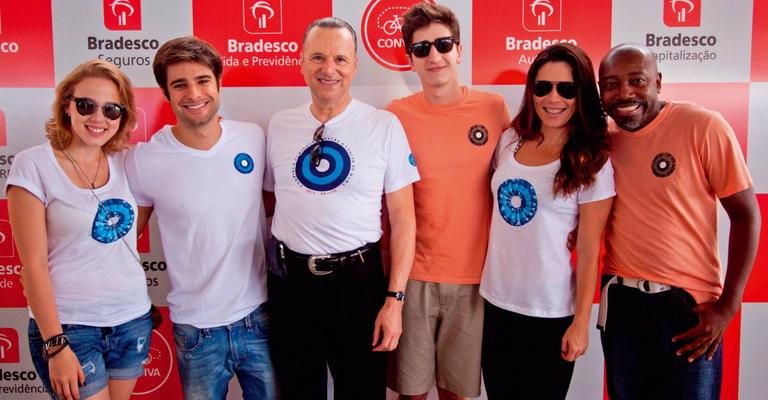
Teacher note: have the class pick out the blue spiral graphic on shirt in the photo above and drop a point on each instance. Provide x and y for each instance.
(114, 219)
(244, 163)
(332, 171)
(412, 159)
(517, 201)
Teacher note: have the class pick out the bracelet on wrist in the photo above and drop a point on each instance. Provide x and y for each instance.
(54, 346)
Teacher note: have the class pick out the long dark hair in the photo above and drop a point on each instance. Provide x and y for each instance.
(586, 148)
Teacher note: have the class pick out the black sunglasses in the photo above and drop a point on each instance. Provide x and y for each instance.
(86, 106)
(566, 90)
(317, 149)
(422, 49)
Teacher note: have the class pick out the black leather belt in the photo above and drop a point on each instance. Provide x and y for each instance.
(324, 264)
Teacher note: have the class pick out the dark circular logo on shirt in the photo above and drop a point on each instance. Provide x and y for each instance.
(330, 173)
(517, 201)
(663, 165)
(478, 135)
(412, 159)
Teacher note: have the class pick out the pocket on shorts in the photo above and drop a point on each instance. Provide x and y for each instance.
(187, 337)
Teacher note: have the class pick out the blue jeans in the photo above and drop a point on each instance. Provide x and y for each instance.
(116, 352)
(208, 358)
(639, 354)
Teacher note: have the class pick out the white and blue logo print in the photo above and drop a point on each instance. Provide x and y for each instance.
(114, 219)
(412, 159)
(244, 163)
(331, 171)
(517, 201)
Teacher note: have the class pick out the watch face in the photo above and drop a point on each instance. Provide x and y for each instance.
(399, 296)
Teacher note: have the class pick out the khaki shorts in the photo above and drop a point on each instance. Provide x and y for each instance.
(441, 340)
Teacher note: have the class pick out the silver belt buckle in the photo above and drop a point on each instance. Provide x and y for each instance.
(312, 266)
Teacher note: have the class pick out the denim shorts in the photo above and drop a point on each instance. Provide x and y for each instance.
(116, 352)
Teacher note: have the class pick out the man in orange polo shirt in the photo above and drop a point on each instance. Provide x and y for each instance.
(668, 304)
(452, 131)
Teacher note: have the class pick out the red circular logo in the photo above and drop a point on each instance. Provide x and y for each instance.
(381, 31)
(157, 367)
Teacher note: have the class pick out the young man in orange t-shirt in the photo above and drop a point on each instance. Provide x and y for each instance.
(668, 305)
(452, 131)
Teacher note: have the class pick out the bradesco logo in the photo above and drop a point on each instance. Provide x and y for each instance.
(542, 15)
(122, 15)
(3, 131)
(382, 36)
(9, 345)
(502, 52)
(157, 367)
(682, 13)
(7, 47)
(263, 16)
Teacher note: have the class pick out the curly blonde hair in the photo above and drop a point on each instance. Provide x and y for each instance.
(59, 127)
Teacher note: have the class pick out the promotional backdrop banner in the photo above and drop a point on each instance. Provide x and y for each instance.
(709, 52)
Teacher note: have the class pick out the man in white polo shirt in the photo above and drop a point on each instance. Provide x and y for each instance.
(203, 177)
(329, 162)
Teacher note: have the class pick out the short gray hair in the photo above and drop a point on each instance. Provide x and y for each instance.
(330, 22)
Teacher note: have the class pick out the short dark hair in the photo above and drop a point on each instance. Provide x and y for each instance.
(330, 22)
(586, 149)
(185, 49)
(58, 128)
(421, 15)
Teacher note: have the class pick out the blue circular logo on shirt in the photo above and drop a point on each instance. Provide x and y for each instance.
(412, 159)
(332, 170)
(517, 201)
(114, 219)
(244, 163)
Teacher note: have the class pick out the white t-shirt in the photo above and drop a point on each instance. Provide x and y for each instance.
(92, 258)
(211, 218)
(335, 206)
(528, 266)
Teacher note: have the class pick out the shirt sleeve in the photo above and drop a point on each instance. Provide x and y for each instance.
(401, 164)
(132, 162)
(25, 173)
(722, 158)
(602, 188)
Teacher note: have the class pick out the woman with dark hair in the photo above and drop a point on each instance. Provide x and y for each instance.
(73, 215)
(552, 175)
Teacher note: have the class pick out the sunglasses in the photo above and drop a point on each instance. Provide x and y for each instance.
(422, 49)
(317, 149)
(566, 90)
(86, 106)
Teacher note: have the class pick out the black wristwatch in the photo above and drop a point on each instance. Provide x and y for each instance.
(399, 295)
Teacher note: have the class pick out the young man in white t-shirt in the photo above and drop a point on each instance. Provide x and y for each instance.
(212, 224)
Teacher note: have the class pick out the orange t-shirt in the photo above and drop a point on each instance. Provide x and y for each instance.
(452, 145)
(668, 177)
